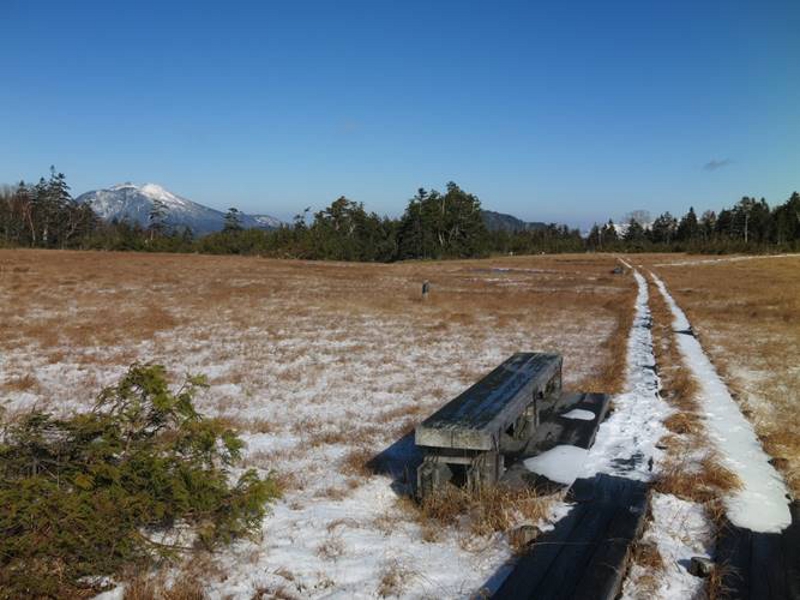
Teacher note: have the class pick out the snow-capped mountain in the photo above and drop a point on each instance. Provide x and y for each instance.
(134, 203)
(267, 222)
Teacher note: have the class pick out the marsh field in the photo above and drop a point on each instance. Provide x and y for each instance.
(322, 366)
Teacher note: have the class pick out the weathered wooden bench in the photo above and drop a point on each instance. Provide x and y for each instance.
(465, 442)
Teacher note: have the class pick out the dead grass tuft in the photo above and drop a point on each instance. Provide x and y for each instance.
(718, 476)
(647, 556)
(488, 510)
(146, 587)
(684, 423)
(331, 548)
(357, 462)
(394, 579)
(701, 483)
(21, 383)
(716, 589)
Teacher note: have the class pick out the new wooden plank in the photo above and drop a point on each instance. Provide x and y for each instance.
(474, 419)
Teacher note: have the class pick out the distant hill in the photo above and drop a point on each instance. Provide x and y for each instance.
(496, 221)
(133, 203)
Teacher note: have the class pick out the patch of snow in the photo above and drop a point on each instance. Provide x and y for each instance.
(762, 504)
(708, 261)
(580, 414)
(680, 530)
(334, 550)
(562, 464)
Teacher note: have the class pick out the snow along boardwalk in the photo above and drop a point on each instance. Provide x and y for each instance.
(762, 504)
(760, 545)
(586, 554)
(627, 443)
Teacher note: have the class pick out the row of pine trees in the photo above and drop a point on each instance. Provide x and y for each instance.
(435, 225)
(750, 224)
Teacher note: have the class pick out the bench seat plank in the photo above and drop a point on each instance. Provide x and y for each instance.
(475, 419)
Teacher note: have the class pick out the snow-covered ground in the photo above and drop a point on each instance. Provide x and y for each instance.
(316, 363)
(322, 363)
(679, 530)
(725, 259)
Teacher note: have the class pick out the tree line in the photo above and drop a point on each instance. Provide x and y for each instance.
(750, 225)
(434, 225)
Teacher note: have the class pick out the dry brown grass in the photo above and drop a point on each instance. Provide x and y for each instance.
(747, 317)
(394, 579)
(701, 483)
(120, 298)
(145, 587)
(358, 462)
(331, 548)
(715, 586)
(21, 383)
(684, 423)
(333, 360)
(647, 556)
(488, 509)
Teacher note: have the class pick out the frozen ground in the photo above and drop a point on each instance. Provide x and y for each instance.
(725, 259)
(321, 366)
(324, 365)
(746, 315)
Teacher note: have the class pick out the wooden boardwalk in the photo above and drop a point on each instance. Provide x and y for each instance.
(761, 566)
(586, 555)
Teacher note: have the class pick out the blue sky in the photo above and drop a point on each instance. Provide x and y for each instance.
(571, 112)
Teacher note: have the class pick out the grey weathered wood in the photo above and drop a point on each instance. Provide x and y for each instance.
(761, 566)
(556, 430)
(585, 555)
(476, 418)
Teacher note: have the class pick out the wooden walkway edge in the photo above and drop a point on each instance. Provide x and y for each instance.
(586, 554)
(761, 566)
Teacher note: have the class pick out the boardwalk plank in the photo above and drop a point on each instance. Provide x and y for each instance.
(588, 554)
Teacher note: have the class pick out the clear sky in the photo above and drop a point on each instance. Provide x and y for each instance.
(550, 111)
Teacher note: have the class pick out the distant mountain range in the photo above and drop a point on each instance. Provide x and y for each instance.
(134, 203)
(496, 221)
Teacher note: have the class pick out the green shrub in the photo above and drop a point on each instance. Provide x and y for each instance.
(81, 497)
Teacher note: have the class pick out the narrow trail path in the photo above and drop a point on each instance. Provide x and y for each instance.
(678, 529)
(762, 505)
(626, 443)
(627, 448)
(758, 550)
